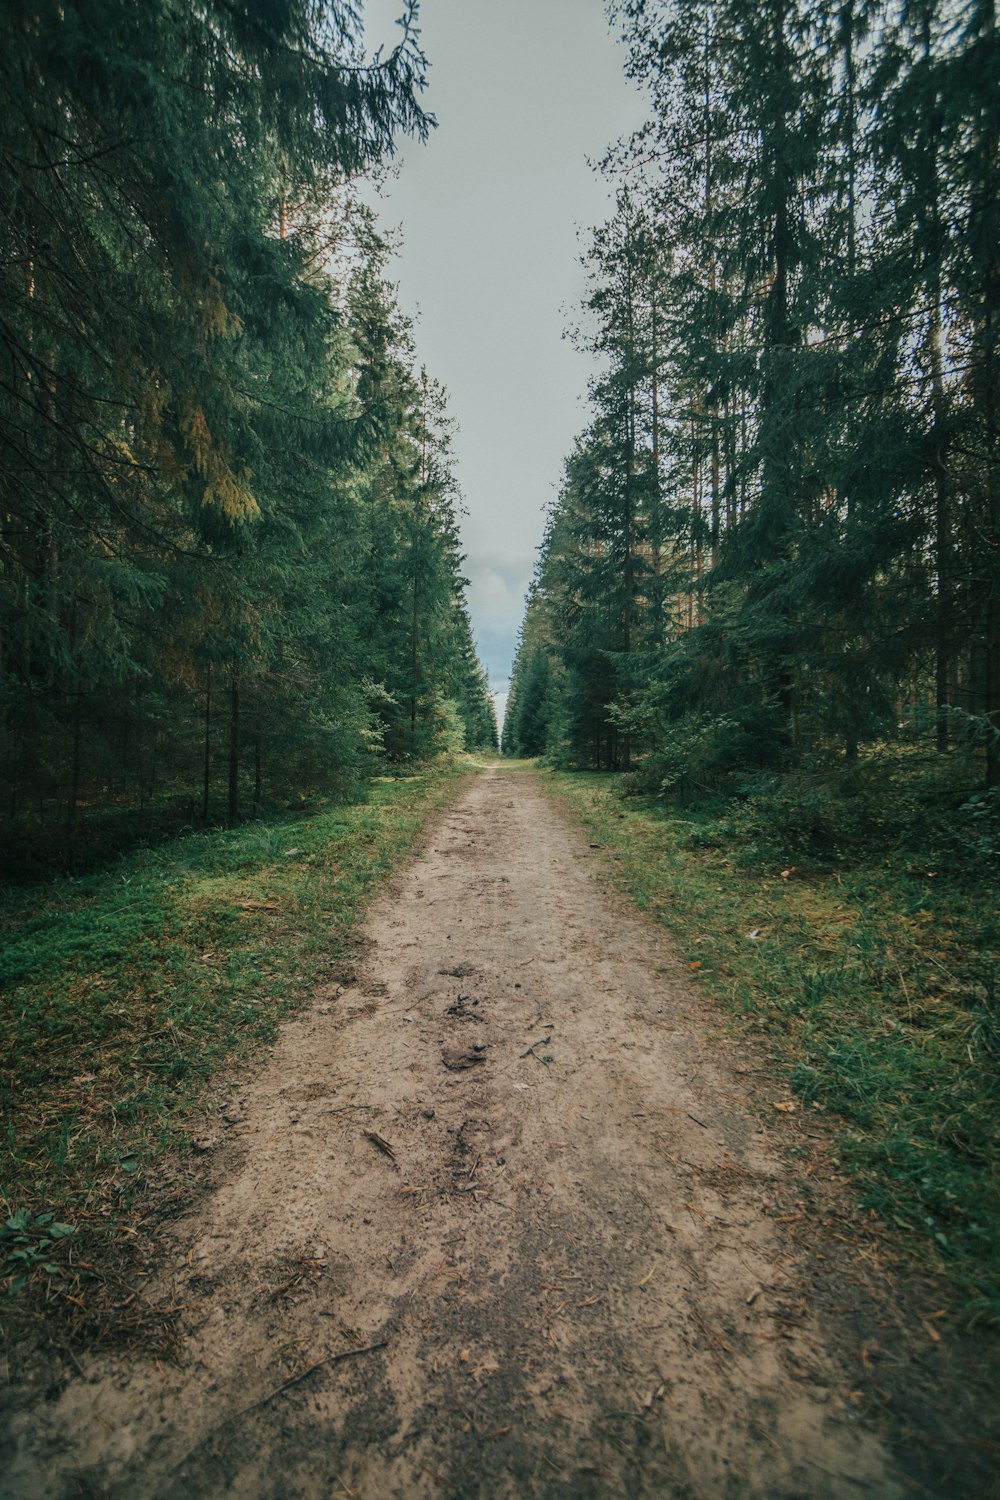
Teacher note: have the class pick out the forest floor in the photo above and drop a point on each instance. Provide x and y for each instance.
(506, 1213)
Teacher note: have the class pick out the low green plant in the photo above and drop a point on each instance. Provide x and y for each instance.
(26, 1243)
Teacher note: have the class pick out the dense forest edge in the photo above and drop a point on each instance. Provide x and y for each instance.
(230, 571)
(129, 994)
(768, 597)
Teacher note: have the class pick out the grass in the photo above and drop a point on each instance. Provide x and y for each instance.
(126, 992)
(872, 971)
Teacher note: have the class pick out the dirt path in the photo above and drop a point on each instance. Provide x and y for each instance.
(569, 1277)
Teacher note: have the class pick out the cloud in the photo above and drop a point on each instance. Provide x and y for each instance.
(496, 593)
(496, 604)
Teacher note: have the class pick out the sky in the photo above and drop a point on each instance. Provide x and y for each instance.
(491, 210)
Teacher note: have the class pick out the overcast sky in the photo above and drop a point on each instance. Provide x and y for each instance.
(525, 91)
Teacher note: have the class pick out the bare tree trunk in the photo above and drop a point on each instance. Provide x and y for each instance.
(656, 538)
(630, 423)
(708, 209)
(414, 620)
(993, 687)
(74, 790)
(207, 769)
(989, 226)
(234, 748)
(942, 499)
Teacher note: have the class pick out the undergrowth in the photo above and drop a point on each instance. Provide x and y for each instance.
(124, 992)
(858, 926)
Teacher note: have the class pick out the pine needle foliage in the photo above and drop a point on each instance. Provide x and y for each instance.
(190, 431)
(778, 541)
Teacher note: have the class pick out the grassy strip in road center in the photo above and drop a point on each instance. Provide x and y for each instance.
(872, 980)
(125, 993)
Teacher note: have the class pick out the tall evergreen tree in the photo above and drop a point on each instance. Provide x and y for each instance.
(816, 541)
(191, 439)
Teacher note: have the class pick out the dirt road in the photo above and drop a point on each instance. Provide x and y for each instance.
(511, 1175)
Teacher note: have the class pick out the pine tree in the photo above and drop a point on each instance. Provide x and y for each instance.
(193, 446)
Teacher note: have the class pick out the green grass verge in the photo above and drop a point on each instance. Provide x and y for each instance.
(124, 994)
(874, 979)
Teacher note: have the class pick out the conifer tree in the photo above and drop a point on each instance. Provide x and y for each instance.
(818, 190)
(193, 447)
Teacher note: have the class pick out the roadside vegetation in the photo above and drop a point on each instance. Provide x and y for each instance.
(853, 922)
(767, 591)
(126, 992)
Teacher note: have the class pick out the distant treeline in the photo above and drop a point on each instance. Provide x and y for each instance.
(778, 540)
(229, 559)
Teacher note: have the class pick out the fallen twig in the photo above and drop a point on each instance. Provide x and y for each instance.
(696, 1120)
(236, 1416)
(434, 1475)
(328, 1359)
(381, 1144)
(543, 1043)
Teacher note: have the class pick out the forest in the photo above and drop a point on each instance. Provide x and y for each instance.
(230, 568)
(775, 557)
(617, 1110)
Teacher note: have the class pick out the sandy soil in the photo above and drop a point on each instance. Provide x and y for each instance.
(496, 1219)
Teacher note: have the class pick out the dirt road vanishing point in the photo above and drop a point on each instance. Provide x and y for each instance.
(496, 1220)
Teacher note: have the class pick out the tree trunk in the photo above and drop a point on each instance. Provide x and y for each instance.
(707, 213)
(988, 217)
(656, 518)
(207, 770)
(993, 689)
(943, 623)
(234, 748)
(414, 620)
(74, 790)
